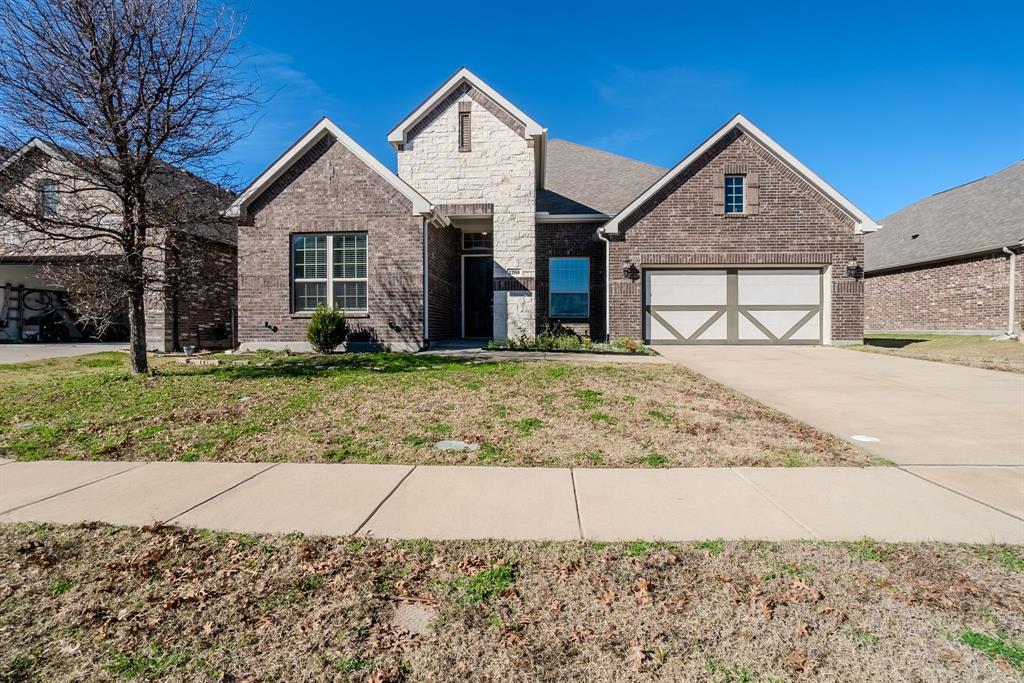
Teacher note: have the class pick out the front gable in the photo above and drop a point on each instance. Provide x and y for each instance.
(324, 134)
(740, 147)
(463, 82)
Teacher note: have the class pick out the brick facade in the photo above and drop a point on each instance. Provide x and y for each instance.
(445, 278)
(794, 225)
(571, 239)
(330, 190)
(963, 295)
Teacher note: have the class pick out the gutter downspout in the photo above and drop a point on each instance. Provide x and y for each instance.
(1013, 290)
(426, 283)
(607, 286)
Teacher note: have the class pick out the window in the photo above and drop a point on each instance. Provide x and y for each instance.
(329, 268)
(477, 241)
(570, 288)
(48, 198)
(734, 194)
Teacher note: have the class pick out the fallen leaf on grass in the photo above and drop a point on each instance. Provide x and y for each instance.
(796, 660)
(636, 655)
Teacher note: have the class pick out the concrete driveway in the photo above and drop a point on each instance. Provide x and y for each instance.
(921, 412)
(24, 353)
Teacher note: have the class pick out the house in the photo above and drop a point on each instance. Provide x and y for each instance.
(491, 230)
(947, 263)
(193, 267)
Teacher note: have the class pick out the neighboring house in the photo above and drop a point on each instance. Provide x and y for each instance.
(490, 230)
(947, 262)
(35, 306)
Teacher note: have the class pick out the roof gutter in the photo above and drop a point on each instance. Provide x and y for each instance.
(941, 259)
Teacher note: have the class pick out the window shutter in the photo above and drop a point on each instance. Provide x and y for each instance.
(753, 193)
(718, 198)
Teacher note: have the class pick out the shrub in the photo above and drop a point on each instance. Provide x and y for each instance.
(327, 329)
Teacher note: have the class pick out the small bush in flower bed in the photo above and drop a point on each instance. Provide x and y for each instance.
(557, 337)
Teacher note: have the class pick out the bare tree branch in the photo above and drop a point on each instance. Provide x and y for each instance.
(133, 102)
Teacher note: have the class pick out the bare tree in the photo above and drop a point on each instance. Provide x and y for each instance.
(133, 101)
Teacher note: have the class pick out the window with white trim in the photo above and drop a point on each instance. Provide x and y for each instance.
(734, 194)
(329, 269)
(569, 295)
(48, 198)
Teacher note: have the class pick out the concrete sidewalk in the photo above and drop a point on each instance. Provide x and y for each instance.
(401, 501)
(26, 353)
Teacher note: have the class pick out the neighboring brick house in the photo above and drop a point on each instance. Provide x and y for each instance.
(948, 262)
(490, 230)
(194, 302)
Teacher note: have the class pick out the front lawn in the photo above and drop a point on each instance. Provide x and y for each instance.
(978, 351)
(96, 602)
(396, 408)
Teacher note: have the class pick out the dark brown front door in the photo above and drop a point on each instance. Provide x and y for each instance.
(477, 296)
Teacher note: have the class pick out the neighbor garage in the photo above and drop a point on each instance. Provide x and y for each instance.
(733, 306)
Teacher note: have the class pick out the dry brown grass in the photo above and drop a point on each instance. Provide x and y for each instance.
(971, 350)
(101, 603)
(379, 408)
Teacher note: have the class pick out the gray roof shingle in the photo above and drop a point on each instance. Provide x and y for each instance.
(582, 179)
(981, 215)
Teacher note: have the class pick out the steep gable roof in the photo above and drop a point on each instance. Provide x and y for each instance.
(980, 216)
(864, 223)
(399, 134)
(325, 127)
(582, 180)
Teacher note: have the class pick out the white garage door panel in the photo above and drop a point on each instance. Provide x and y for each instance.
(778, 287)
(686, 287)
(733, 306)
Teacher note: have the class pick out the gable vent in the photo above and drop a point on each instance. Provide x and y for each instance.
(465, 127)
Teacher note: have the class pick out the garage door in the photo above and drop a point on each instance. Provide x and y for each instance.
(732, 306)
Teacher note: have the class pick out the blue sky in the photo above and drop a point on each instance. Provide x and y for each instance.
(888, 102)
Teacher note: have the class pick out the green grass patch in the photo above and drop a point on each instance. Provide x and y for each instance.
(640, 548)
(151, 663)
(864, 636)
(61, 586)
(664, 418)
(588, 398)
(591, 457)
(996, 647)
(347, 448)
(711, 546)
(354, 664)
(868, 549)
(527, 425)
(486, 584)
(653, 460)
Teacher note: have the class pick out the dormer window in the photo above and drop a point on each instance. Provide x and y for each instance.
(48, 198)
(734, 194)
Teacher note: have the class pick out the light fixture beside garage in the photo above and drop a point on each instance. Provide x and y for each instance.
(853, 269)
(630, 271)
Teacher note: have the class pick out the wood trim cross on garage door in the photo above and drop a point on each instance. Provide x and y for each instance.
(733, 306)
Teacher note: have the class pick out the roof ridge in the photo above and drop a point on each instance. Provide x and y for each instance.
(604, 151)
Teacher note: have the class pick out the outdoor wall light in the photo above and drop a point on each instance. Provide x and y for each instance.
(630, 271)
(853, 269)
(272, 328)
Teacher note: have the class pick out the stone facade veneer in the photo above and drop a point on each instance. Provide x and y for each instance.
(498, 169)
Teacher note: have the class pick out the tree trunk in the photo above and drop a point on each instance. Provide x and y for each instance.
(137, 327)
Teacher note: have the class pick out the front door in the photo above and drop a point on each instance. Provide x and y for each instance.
(477, 296)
